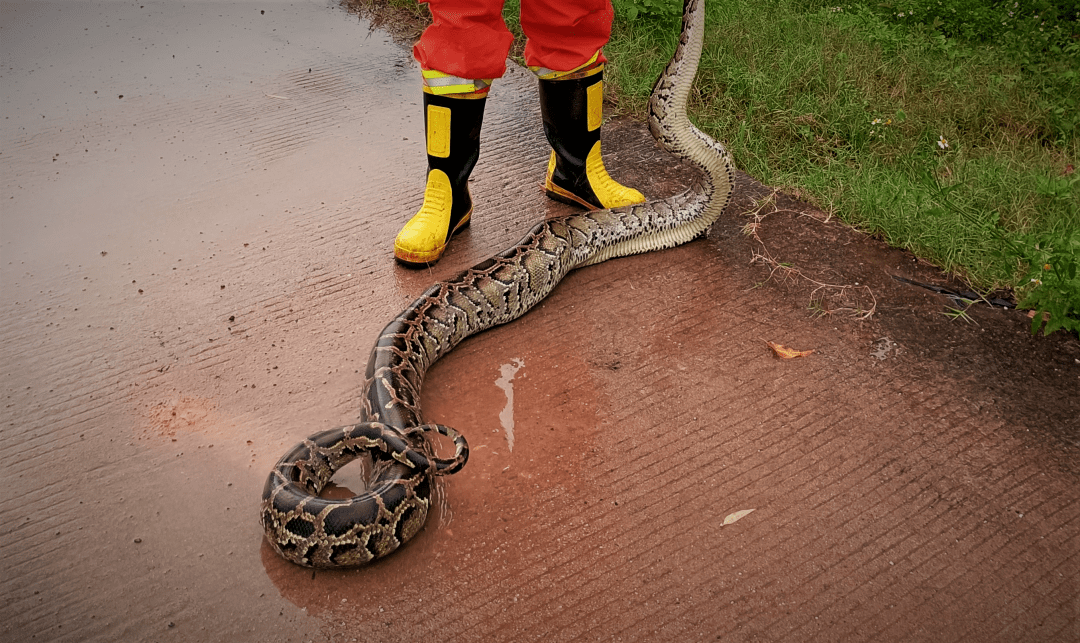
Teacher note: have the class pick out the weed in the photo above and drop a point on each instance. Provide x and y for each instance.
(855, 300)
(958, 313)
(632, 9)
(1050, 284)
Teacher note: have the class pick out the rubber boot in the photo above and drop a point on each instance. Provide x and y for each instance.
(572, 110)
(453, 146)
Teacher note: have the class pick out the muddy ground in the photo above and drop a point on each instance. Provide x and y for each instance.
(193, 275)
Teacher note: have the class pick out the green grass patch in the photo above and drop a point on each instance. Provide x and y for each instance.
(959, 148)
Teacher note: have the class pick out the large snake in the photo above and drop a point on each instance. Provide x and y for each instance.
(320, 532)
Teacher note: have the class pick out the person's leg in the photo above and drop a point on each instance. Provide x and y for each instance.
(564, 51)
(460, 53)
(466, 38)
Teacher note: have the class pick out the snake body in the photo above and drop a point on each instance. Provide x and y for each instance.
(318, 532)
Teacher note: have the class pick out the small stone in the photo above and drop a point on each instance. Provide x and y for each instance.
(138, 540)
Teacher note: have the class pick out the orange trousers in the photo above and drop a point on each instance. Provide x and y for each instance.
(469, 39)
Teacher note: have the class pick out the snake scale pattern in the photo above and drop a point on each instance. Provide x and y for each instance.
(319, 532)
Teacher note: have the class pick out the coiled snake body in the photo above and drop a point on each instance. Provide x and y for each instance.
(319, 532)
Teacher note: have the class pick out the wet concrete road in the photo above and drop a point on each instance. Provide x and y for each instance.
(198, 208)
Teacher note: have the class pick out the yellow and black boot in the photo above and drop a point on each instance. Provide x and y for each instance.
(572, 108)
(453, 125)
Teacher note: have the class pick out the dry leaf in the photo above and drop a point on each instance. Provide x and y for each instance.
(783, 352)
(738, 515)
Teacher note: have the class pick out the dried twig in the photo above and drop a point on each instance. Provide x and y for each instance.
(788, 271)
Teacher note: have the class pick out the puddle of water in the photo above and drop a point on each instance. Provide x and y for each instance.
(506, 383)
(882, 348)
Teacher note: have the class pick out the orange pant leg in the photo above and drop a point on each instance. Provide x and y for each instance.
(468, 38)
(565, 35)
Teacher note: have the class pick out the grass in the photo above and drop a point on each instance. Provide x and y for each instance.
(813, 101)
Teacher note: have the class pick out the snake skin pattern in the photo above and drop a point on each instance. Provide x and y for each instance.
(318, 532)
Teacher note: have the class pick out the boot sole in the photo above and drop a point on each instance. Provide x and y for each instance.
(561, 195)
